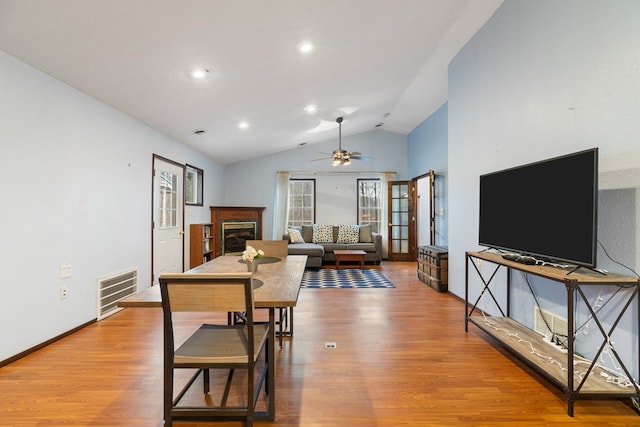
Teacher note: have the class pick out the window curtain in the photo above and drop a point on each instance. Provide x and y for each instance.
(385, 178)
(281, 205)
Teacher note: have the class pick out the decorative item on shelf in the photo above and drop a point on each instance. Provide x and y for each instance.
(252, 258)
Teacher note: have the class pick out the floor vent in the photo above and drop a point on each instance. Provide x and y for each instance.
(114, 288)
(554, 324)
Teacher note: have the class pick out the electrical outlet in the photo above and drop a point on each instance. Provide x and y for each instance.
(330, 345)
(549, 339)
(63, 292)
(65, 271)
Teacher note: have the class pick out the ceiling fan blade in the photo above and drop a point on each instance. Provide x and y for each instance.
(321, 158)
(360, 158)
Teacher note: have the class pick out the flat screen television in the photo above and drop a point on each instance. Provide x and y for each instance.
(546, 209)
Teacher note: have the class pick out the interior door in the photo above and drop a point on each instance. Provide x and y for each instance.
(168, 214)
(425, 209)
(402, 235)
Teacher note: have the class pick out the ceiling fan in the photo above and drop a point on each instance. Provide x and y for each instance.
(342, 157)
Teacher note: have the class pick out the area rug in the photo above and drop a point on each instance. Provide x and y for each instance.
(348, 278)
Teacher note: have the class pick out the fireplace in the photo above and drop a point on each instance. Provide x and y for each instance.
(242, 222)
(235, 234)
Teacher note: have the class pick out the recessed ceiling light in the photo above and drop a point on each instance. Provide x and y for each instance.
(305, 47)
(200, 73)
(243, 125)
(311, 108)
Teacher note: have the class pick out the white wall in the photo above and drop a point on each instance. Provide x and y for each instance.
(253, 182)
(76, 189)
(544, 78)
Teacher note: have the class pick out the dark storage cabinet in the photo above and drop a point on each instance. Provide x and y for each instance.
(433, 267)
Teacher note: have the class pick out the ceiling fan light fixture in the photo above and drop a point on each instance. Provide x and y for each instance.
(341, 157)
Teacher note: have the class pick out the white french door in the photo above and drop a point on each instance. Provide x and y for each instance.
(168, 214)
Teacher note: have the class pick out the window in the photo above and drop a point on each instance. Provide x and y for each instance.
(370, 203)
(302, 202)
(193, 185)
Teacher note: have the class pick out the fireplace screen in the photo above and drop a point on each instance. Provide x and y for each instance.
(234, 235)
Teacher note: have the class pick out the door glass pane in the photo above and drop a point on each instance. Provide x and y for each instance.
(404, 218)
(167, 215)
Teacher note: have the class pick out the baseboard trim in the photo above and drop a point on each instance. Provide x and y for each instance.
(44, 344)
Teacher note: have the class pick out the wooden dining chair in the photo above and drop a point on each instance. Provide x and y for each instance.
(271, 248)
(277, 249)
(211, 345)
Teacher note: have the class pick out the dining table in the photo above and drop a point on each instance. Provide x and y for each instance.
(276, 285)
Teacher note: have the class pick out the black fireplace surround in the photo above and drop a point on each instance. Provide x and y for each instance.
(234, 235)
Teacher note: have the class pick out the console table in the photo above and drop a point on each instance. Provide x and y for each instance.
(579, 378)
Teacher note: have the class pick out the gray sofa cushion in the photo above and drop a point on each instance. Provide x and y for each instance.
(330, 247)
(365, 234)
(367, 247)
(307, 233)
(310, 249)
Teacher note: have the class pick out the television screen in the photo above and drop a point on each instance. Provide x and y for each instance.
(546, 209)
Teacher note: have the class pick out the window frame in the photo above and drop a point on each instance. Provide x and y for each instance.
(379, 208)
(290, 198)
(196, 193)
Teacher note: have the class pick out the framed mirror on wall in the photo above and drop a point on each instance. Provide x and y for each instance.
(193, 185)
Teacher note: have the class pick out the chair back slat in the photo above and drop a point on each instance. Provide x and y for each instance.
(271, 248)
(208, 292)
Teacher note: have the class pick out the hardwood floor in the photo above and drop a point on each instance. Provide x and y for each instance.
(402, 359)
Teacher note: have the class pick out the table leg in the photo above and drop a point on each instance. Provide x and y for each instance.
(271, 375)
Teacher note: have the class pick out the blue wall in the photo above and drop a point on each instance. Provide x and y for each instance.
(545, 78)
(427, 150)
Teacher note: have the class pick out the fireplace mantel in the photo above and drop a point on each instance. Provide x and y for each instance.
(220, 214)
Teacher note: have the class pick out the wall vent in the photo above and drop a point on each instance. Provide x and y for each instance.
(558, 325)
(113, 288)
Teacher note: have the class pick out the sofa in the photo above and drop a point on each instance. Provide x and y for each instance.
(319, 241)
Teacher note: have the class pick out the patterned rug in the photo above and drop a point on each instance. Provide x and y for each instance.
(347, 278)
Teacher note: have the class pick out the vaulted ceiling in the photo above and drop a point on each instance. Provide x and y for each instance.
(382, 64)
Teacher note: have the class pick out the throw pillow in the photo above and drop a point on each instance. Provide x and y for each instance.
(322, 234)
(365, 234)
(348, 233)
(295, 236)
